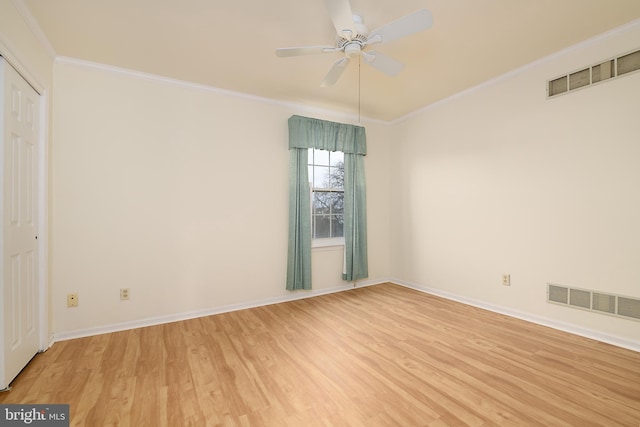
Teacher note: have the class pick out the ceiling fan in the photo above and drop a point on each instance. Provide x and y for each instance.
(353, 37)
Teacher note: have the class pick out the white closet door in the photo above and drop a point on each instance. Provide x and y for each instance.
(19, 207)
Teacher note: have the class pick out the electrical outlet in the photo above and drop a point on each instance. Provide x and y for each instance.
(506, 279)
(124, 293)
(72, 300)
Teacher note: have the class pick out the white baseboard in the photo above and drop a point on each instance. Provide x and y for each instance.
(158, 320)
(540, 320)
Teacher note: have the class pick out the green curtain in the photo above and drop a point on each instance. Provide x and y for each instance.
(305, 133)
(355, 219)
(299, 257)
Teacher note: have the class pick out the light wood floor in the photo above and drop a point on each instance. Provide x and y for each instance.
(377, 356)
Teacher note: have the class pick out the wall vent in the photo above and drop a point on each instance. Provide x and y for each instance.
(604, 302)
(584, 299)
(558, 294)
(580, 298)
(603, 71)
(629, 307)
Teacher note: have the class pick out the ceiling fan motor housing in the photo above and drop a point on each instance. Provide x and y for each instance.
(352, 47)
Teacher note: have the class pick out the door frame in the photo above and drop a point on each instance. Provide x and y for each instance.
(45, 336)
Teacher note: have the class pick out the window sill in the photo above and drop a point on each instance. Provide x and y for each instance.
(334, 243)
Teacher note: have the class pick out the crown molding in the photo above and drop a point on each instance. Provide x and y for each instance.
(307, 109)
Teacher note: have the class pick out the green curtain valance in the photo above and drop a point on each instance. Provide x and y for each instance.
(306, 132)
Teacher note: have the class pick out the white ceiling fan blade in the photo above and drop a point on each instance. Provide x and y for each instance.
(335, 72)
(407, 25)
(342, 17)
(381, 62)
(305, 50)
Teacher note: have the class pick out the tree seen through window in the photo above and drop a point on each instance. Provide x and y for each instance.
(326, 176)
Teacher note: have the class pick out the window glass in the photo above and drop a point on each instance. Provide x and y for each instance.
(326, 173)
(321, 157)
(337, 157)
(322, 177)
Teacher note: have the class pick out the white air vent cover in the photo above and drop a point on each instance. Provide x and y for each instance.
(606, 70)
(584, 299)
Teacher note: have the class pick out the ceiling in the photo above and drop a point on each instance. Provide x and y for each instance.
(230, 44)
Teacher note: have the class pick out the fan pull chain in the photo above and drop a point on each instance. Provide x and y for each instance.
(359, 101)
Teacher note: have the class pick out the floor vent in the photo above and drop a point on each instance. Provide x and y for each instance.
(603, 71)
(616, 305)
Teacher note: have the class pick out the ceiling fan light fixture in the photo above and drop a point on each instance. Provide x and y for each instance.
(352, 50)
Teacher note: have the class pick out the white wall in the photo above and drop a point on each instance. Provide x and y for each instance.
(502, 180)
(180, 194)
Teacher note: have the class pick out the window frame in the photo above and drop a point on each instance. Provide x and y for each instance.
(323, 242)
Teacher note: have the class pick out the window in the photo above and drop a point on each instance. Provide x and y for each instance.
(326, 176)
